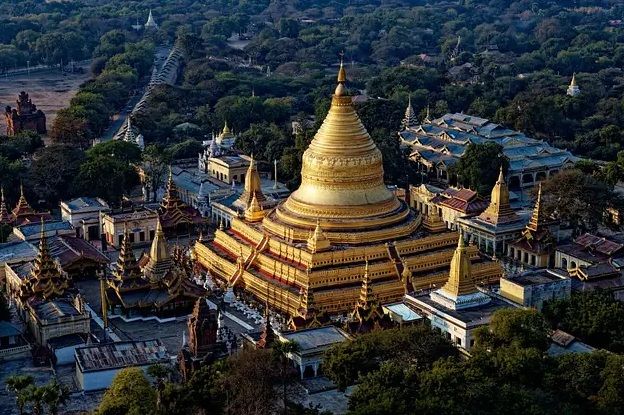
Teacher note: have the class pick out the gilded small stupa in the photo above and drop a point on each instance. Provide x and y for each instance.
(320, 237)
(460, 291)
(499, 210)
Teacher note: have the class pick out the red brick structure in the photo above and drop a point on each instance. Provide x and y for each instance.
(25, 117)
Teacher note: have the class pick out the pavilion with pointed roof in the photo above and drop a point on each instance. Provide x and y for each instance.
(175, 215)
(536, 246)
(158, 284)
(498, 225)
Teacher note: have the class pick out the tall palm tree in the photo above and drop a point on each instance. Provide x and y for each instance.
(54, 396)
(18, 385)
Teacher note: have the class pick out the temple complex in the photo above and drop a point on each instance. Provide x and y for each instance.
(537, 244)
(158, 284)
(320, 238)
(26, 117)
(496, 226)
(175, 215)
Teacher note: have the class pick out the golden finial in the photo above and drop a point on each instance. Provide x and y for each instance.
(342, 77)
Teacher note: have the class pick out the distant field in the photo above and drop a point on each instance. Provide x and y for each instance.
(49, 91)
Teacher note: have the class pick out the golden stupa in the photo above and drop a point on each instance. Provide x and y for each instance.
(320, 238)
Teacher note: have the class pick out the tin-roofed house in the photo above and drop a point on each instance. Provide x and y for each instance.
(97, 365)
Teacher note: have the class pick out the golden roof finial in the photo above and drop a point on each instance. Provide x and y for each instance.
(573, 81)
(226, 129)
(342, 78)
(159, 250)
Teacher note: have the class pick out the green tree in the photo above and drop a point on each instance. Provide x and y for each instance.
(118, 149)
(579, 199)
(106, 177)
(515, 327)
(155, 166)
(18, 386)
(595, 317)
(52, 172)
(346, 362)
(478, 167)
(129, 393)
(54, 396)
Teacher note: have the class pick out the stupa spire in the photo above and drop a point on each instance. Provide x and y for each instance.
(573, 88)
(410, 119)
(5, 216)
(159, 260)
(342, 173)
(127, 266)
(537, 217)
(460, 276)
(253, 186)
(499, 210)
(366, 291)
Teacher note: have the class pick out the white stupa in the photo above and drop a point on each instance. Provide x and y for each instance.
(573, 89)
(151, 23)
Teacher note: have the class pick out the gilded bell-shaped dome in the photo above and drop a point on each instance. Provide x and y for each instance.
(342, 184)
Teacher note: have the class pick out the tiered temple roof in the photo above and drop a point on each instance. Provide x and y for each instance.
(344, 203)
(165, 287)
(174, 213)
(444, 140)
(46, 280)
(24, 213)
(368, 314)
(537, 237)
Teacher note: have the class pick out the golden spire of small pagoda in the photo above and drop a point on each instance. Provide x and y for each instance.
(537, 218)
(253, 187)
(46, 279)
(317, 241)
(23, 207)
(127, 267)
(226, 129)
(267, 338)
(366, 291)
(406, 278)
(460, 280)
(5, 216)
(159, 260)
(499, 210)
(254, 212)
(159, 250)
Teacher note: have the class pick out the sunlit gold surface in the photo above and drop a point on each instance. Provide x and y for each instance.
(342, 216)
